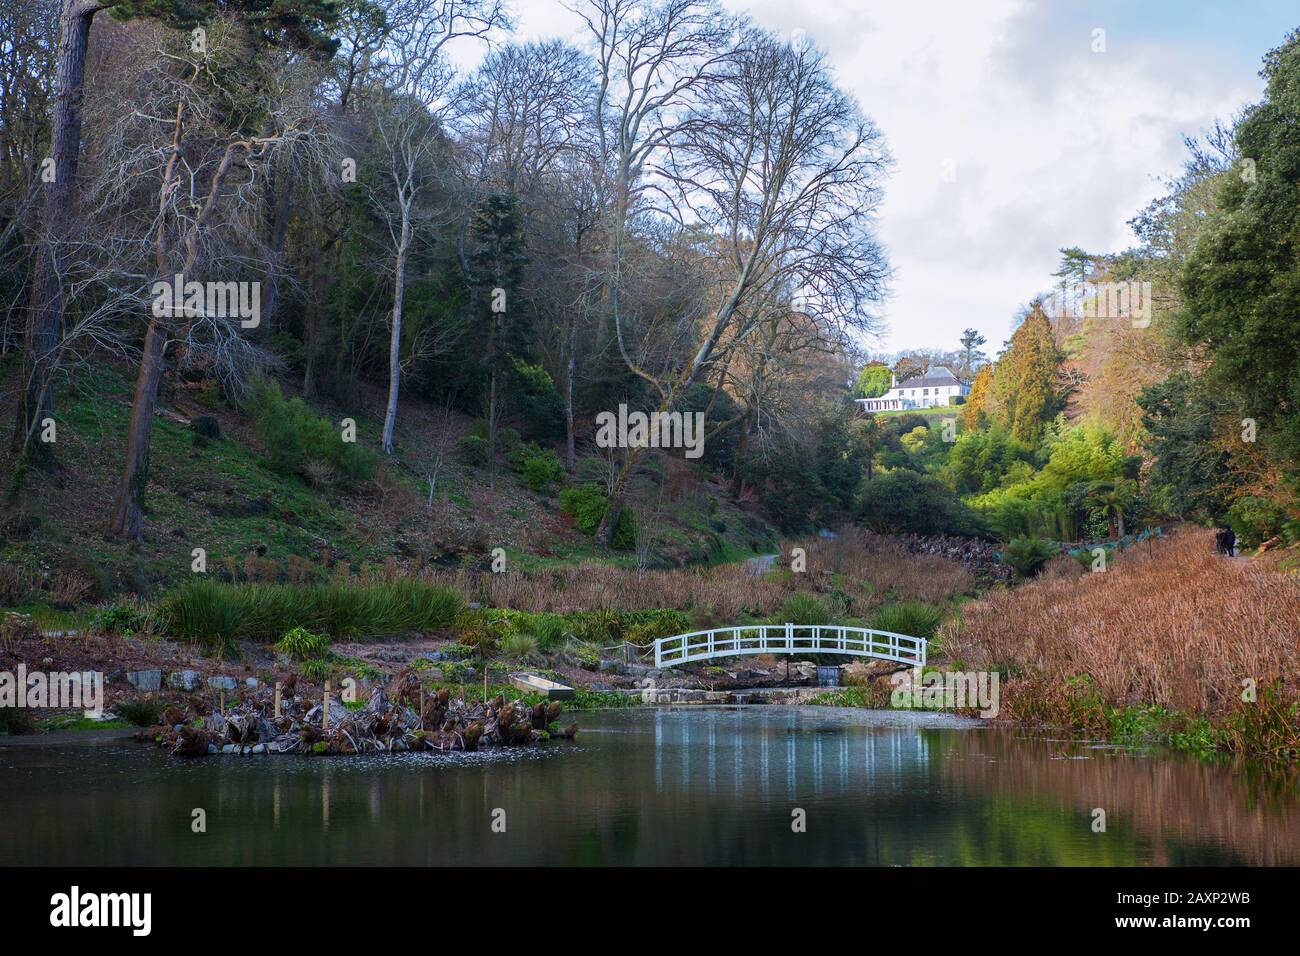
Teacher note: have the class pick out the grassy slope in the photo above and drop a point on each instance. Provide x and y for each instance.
(224, 498)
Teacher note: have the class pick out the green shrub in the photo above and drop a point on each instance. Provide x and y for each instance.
(300, 644)
(120, 618)
(535, 398)
(903, 502)
(913, 618)
(587, 504)
(540, 467)
(317, 668)
(294, 435)
(472, 450)
(1028, 555)
(586, 655)
(603, 627)
(142, 711)
(624, 537)
(484, 630)
(1085, 557)
(652, 625)
(207, 426)
(1254, 520)
(803, 608)
(550, 630)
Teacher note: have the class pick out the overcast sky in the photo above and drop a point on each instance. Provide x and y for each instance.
(1011, 137)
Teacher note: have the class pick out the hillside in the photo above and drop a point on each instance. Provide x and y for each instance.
(222, 495)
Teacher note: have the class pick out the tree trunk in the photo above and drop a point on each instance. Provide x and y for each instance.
(614, 509)
(283, 191)
(128, 511)
(570, 459)
(492, 427)
(395, 341)
(492, 400)
(741, 443)
(45, 309)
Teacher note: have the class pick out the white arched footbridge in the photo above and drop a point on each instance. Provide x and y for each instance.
(789, 639)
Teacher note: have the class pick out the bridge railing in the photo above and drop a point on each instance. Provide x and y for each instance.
(789, 639)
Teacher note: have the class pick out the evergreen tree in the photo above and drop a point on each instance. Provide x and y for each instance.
(496, 269)
(1241, 281)
(973, 413)
(1026, 377)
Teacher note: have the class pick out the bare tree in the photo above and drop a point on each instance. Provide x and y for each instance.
(407, 138)
(524, 124)
(441, 444)
(779, 167)
(207, 174)
(416, 82)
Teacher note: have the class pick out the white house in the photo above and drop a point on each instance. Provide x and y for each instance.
(937, 386)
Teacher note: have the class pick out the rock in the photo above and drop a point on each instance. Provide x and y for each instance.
(212, 748)
(149, 680)
(222, 683)
(229, 749)
(252, 682)
(259, 748)
(184, 680)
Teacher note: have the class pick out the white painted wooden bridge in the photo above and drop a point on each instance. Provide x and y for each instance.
(789, 639)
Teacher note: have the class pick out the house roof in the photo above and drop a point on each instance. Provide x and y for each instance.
(935, 375)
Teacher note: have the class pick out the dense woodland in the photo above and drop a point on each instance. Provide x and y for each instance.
(676, 213)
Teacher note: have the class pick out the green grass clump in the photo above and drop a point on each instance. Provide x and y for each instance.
(1028, 555)
(519, 647)
(804, 609)
(844, 697)
(584, 699)
(120, 618)
(209, 612)
(913, 618)
(301, 644)
(141, 712)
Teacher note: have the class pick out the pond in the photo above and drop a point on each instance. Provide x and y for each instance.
(721, 786)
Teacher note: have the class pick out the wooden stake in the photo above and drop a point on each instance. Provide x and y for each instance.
(325, 710)
(485, 670)
(223, 702)
(277, 700)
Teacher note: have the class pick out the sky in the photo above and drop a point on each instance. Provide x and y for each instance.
(1013, 134)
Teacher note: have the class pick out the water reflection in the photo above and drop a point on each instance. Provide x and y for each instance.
(658, 787)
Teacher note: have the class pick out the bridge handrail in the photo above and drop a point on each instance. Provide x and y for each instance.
(815, 638)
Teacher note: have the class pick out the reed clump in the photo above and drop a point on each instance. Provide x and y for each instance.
(1171, 628)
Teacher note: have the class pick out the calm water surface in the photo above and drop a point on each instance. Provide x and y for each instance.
(684, 786)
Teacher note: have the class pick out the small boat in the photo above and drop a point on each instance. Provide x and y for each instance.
(535, 683)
